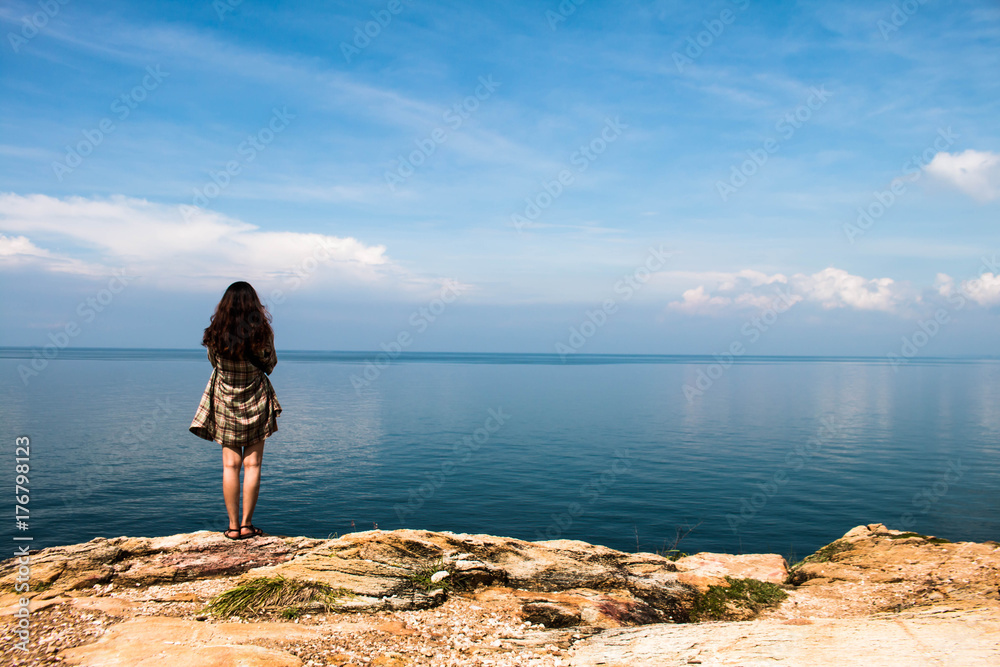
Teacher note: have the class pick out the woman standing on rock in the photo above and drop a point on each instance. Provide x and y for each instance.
(239, 408)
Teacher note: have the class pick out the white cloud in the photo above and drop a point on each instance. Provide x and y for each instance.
(754, 278)
(944, 284)
(976, 173)
(836, 288)
(185, 248)
(829, 288)
(19, 251)
(696, 300)
(743, 289)
(17, 246)
(984, 290)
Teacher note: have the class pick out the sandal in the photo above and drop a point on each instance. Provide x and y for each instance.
(238, 535)
(257, 532)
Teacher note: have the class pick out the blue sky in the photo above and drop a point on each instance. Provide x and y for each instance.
(656, 177)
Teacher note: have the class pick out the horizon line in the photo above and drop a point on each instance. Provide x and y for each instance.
(389, 356)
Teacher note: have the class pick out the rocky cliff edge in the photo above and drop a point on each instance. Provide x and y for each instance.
(411, 597)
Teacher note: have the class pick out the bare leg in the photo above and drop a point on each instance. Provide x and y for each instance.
(232, 459)
(252, 457)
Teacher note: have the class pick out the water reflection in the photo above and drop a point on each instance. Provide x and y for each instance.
(344, 455)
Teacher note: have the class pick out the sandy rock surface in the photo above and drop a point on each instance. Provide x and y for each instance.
(944, 637)
(875, 596)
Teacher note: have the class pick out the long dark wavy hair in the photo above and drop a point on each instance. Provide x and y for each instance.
(240, 324)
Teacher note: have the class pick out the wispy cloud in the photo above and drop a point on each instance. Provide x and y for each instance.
(23, 152)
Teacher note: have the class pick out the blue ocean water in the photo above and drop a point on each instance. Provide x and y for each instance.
(769, 454)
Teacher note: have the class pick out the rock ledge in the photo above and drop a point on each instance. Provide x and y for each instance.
(420, 597)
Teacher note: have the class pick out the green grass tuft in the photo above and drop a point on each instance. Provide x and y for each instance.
(275, 594)
(33, 587)
(825, 554)
(932, 540)
(420, 576)
(735, 601)
(291, 613)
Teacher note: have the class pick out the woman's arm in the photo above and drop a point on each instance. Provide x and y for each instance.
(269, 358)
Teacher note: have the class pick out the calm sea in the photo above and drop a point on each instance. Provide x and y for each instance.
(767, 455)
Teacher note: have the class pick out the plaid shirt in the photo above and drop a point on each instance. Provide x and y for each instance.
(239, 406)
